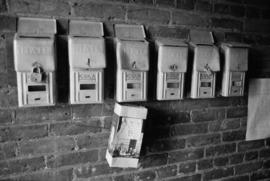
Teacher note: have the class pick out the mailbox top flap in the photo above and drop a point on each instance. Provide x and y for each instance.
(86, 28)
(172, 56)
(201, 37)
(129, 32)
(86, 53)
(30, 51)
(132, 55)
(36, 27)
(236, 56)
(206, 57)
(138, 112)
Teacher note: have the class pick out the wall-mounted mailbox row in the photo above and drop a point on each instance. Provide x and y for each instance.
(35, 64)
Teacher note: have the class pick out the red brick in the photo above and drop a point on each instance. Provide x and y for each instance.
(202, 140)
(205, 164)
(227, 23)
(253, 155)
(259, 26)
(31, 115)
(145, 175)
(234, 135)
(266, 164)
(237, 11)
(76, 127)
(8, 150)
(238, 178)
(8, 23)
(222, 8)
(148, 15)
(253, 12)
(187, 168)
(248, 145)
(179, 156)
(207, 115)
(203, 6)
(265, 153)
(86, 171)
(128, 177)
(8, 97)
(221, 161)
(185, 4)
(167, 171)
(22, 165)
(102, 179)
(54, 161)
(233, 37)
(220, 149)
(237, 112)
(265, 174)
(100, 10)
(146, 2)
(108, 108)
(91, 110)
(61, 175)
(23, 132)
(59, 113)
(187, 129)
(226, 124)
(166, 3)
(98, 140)
(247, 167)
(6, 116)
(265, 14)
(236, 158)
(167, 145)
(48, 145)
(196, 177)
(3, 6)
(218, 173)
(154, 160)
(169, 117)
(184, 18)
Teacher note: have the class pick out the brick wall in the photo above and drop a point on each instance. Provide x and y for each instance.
(189, 140)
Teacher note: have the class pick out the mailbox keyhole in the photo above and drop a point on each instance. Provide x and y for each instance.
(87, 97)
(172, 94)
(37, 99)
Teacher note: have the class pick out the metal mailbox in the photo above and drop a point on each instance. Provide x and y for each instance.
(235, 68)
(87, 60)
(172, 66)
(205, 64)
(34, 59)
(132, 54)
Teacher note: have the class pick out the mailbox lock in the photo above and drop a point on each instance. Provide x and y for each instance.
(208, 70)
(174, 67)
(134, 65)
(89, 62)
(36, 75)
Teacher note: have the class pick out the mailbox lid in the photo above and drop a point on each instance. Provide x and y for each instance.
(172, 56)
(36, 26)
(129, 32)
(236, 56)
(206, 55)
(86, 52)
(132, 55)
(86, 28)
(28, 51)
(138, 112)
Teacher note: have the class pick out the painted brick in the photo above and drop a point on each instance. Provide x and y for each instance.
(260, 175)
(221, 161)
(168, 144)
(247, 167)
(22, 165)
(179, 156)
(196, 177)
(226, 124)
(183, 18)
(54, 161)
(148, 15)
(205, 164)
(31, 115)
(167, 171)
(234, 135)
(145, 175)
(253, 155)
(202, 140)
(218, 173)
(187, 168)
(237, 112)
(98, 10)
(248, 145)
(236, 158)
(227, 23)
(23, 132)
(154, 160)
(48, 145)
(76, 127)
(187, 129)
(185, 4)
(221, 149)
(79, 111)
(86, 141)
(207, 115)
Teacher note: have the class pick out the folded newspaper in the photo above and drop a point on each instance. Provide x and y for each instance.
(126, 136)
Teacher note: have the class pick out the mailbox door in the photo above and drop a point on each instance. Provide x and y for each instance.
(134, 83)
(237, 80)
(206, 85)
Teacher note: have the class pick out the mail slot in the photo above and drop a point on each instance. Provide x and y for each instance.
(132, 54)
(87, 60)
(172, 66)
(34, 60)
(205, 64)
(235, 68)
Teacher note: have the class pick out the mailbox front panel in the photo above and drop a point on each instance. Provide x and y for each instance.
(233, 83)
(86, 87)
(131, 86)
(170, 85)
